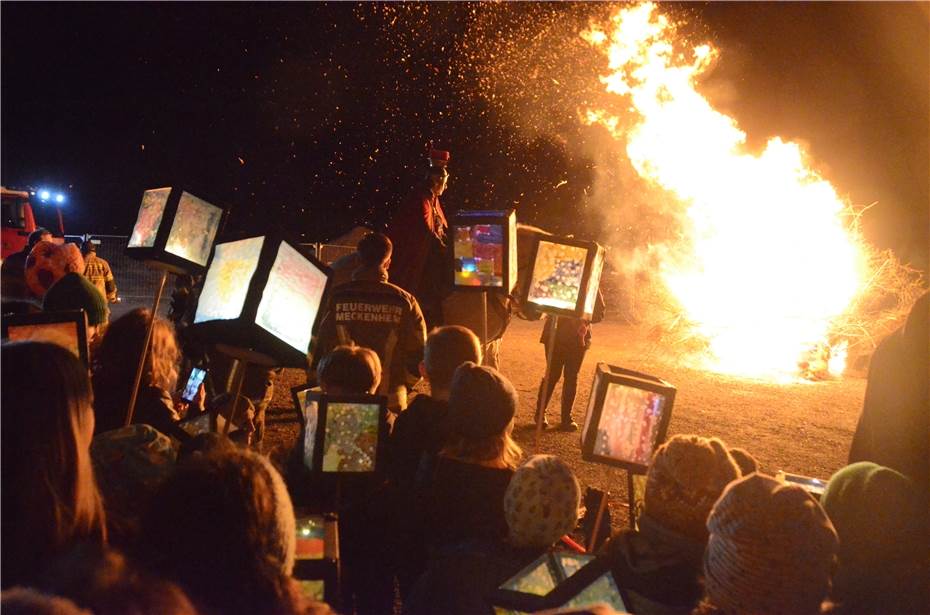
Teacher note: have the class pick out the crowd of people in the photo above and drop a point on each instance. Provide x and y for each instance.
(103, 517)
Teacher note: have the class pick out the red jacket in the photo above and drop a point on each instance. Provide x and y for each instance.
(417, 230)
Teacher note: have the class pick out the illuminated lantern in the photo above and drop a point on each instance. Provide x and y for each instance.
(174, 230)
(560, 580)
(316, 558)
(262, 294)
(627, 417)
(565, 276)
(484, 250)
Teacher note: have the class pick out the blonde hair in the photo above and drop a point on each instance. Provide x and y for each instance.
(50, 496)
(499, 450)
(117, 359)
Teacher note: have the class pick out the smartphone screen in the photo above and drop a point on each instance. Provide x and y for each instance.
(193, 384)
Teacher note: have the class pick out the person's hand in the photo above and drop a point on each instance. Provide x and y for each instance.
(200, 399)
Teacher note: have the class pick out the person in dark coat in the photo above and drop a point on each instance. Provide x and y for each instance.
(540, 505)
(572, 340)
(894, 427)
(370, 311)
(418, 231)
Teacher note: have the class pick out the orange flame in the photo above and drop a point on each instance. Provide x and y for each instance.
(769, 262)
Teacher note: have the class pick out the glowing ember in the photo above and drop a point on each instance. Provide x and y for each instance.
(767, 262)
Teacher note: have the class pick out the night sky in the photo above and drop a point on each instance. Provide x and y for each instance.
(310, 118)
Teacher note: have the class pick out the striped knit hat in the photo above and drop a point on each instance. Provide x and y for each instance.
(687, 475)
(771, 549)
(541, 502)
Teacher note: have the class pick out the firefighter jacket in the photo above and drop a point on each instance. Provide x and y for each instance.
(371, 312)
(97, 270)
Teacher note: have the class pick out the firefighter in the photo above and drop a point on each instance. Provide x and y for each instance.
(98, 271)
(369, 311)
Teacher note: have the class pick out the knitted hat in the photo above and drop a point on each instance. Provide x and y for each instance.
(541, 502)
(48, 262)
(218, 511)
(482, 402)
(687, 475)
(771, 549)
(878, 515)
(74, 292)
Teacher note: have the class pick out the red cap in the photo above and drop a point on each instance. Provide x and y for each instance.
(438, 157)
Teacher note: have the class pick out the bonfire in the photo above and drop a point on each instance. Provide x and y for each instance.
(769, 276)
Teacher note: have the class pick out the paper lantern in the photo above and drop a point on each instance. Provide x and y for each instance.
(67, 329)
(174, 230)
(565, 276)
(484, 250)
(316, 561)
(344, 434)
(556, 580)
(262, 294)
(627, 417)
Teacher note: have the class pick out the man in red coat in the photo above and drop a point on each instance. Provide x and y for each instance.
(418, 231)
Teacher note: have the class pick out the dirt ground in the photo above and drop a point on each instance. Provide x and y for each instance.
(804, 428)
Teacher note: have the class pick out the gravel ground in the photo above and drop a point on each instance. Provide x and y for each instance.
(805, 428)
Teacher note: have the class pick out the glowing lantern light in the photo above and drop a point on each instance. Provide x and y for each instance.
(262, 294)
(174, 230)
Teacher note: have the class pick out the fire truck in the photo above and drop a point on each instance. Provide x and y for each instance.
(19, 219)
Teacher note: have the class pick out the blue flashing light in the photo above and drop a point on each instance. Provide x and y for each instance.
(44, 195)
(59, 198)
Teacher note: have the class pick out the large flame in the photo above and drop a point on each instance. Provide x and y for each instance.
(770, 262)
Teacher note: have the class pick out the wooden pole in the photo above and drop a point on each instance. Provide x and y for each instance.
(484, 325)
(542, 401)
(145, 350)
(597, 523)
(241, 366)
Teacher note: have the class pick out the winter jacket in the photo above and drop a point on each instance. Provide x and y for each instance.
(371, 312)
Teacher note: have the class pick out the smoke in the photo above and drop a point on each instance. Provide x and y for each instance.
(538, 76)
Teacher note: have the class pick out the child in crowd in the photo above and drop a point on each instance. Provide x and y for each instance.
(474, 467)
(541, 505)
(106, 583)
(659, 563)
(419, 429)
(367, 578)
(115, 371)
(881, 521)
(771, 549)
(223, 528)
(50, 500)
(75, 292)
(130, 464)
(349, 370)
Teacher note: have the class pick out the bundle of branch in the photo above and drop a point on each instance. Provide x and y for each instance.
(881, 306)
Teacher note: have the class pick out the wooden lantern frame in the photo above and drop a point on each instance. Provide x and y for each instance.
(158, 255)
(604, 376)
(565, 589)
(243, 332)
(327, 567)
(42, 319)
(590, 278)
(323, 401)
(507, 219)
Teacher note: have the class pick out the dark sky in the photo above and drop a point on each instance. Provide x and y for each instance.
(313, 117)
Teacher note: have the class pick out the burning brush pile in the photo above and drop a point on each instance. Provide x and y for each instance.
(768, 275)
